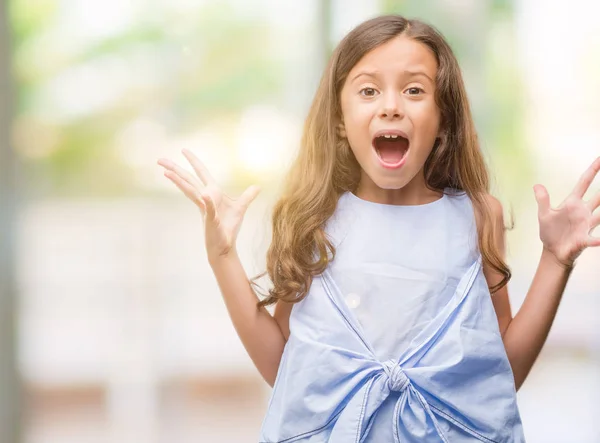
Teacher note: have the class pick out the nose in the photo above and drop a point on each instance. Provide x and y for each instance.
(391, 107)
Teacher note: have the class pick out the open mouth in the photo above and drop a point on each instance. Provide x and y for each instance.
(391, 148)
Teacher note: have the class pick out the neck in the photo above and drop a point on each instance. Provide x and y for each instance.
(413, 193)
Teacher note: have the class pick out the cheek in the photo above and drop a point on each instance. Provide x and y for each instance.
(428, 120)
(356, 122)
(356, 114)
(353, 102)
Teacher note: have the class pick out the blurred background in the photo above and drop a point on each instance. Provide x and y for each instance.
(112, 328)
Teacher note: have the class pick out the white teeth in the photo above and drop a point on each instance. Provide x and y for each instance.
(390, 136)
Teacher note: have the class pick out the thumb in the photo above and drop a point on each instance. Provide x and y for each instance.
(248, 196)
(542, 198)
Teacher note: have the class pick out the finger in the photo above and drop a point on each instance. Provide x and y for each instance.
(189, 191)
(595, 221)
(248, 196)
(594, 202)
(542, 198)
(586, 179)
(211, 211)
(187, 176)
(594, 241)
(201, 170)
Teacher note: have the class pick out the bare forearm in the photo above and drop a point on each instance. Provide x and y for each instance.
(527, 332)
(258, 330)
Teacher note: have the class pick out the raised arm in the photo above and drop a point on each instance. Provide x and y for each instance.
(565, 232)
(259, 332)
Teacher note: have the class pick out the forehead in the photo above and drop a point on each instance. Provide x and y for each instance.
(399, 54)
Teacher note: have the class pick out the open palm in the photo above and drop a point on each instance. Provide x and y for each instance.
(222, 215)
(566, 230)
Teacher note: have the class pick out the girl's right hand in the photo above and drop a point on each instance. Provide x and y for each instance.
(222, 215)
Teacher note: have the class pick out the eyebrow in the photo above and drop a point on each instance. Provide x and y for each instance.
(375, 74)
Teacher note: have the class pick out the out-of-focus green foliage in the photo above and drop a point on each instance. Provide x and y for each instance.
(208, 64)
(186, 70)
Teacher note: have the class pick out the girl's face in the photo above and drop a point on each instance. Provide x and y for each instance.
(391, 119)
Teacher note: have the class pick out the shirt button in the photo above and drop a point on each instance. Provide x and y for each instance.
(353, 300)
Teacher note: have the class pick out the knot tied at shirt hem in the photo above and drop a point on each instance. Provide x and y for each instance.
(397, 379)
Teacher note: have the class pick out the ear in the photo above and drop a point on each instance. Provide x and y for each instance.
(341, 129)
(441, 135)
(442, 129)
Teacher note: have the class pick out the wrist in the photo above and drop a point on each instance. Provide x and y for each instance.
(220, 259)
(563, 264)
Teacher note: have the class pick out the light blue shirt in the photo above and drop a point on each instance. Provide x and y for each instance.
(397, 341)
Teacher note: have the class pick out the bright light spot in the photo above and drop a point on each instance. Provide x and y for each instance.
(144, 141)
(266, 140)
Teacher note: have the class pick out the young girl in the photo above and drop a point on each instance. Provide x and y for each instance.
(386, 249)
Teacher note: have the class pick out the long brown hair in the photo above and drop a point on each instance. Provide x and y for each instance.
(325, 166)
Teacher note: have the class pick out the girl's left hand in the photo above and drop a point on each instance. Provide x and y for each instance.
(566, 230)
